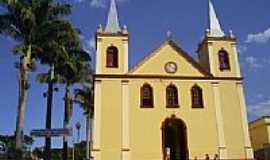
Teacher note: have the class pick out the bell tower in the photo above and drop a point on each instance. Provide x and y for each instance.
(112, 45)
(218, 51)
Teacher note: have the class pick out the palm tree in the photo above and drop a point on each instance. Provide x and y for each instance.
(20, 23)
(70, 65)
(81, 74)
(84, 97)
(28, 22)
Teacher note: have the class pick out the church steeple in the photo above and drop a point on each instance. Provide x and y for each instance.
(112, 45)
(214, 25)
(113, 25)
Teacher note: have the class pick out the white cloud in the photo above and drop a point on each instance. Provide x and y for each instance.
(98, 3)
(88, 44)
(91, 43)
(241, 49)
(261, 37)
(78, 1)
(260, 109)
(253, 62)
(259, 96)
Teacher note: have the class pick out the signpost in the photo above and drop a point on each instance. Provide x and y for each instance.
(58, 132)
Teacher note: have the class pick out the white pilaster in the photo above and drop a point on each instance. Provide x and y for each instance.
(97, 121)
(211, 58)
(125, 121)
(219, 121)
(98, 57)
(247, 143)
(126, 56)
(237, 66)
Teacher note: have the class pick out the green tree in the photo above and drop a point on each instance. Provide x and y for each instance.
(81, 74)
(18, 22)
(75, 69)
(10, 149)
(29, 22)
(84, 97)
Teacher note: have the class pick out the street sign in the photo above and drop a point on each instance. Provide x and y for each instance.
(59, 132)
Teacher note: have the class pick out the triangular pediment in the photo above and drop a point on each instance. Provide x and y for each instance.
(169, 52)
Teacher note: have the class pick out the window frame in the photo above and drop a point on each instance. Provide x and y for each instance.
(114, 61)
(199, 97)
(142, 96)
(174, 99)
(224, 60)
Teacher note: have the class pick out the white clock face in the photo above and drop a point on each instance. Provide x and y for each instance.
(170, 67)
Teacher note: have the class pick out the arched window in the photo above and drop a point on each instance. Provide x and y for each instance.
(147, 96)
(224, 62)
(197, 97)
(172, 96)
(112, 57)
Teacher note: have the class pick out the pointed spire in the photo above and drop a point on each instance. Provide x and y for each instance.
(214, 25)
(113, 25)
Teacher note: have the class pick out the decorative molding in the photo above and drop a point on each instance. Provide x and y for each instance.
(125, 81)
(95, 150)
(148, 76)
(119, 34)
(98, 81)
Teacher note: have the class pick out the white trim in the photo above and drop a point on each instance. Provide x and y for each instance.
(237, 66)
(219, 121)
(126, 56)
(97, 119)
(125, 121)
(247, 143)
(211, 59)
(98, 58)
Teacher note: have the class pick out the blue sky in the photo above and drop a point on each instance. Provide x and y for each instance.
(148, 22)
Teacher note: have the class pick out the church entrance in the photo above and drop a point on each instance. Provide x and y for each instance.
(174, 137)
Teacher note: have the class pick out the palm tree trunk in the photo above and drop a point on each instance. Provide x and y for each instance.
(66, 122)
(49, 115)
(49, 120)
(23, 90)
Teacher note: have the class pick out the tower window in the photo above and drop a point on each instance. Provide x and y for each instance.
(224, 62)
(197, 97)
(146, 96)
(112, 57)
(172, 96)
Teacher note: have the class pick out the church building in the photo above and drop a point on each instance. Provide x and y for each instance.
(169, 106)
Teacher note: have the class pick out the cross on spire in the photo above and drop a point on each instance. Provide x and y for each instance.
(113, 25)
(214, 25)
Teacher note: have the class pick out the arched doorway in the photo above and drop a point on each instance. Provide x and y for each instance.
(174, 139)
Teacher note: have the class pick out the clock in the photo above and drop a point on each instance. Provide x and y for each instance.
(170, 67)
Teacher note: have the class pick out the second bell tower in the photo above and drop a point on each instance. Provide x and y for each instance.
(218, 52)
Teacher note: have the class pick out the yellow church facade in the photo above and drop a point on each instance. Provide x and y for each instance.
(169, 106)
